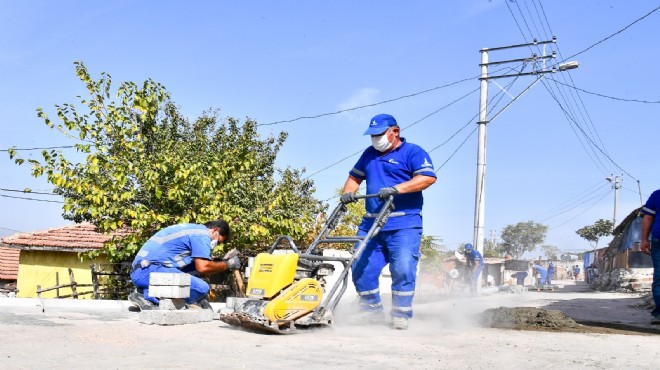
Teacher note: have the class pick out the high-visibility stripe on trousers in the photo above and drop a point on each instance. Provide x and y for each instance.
(399, 249)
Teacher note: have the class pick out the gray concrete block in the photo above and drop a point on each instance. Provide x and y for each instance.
(168, 278)
(171, 304)
(175, 317)
(168, 291)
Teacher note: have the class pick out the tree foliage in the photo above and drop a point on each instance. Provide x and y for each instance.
(434, 253)
(146, 167)
(550, 251)
(592, 233)
(522, 237)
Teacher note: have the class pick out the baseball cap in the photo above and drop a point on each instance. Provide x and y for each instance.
(468, 247)
(379, 124)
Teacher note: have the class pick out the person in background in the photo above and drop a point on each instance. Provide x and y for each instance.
(576, 272)
(392, 167)
(551, 272)
(520, 277)
(650, 244)
(182, 248)
(540, 273)
(475, 263)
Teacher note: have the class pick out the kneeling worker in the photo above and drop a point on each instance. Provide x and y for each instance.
(182, 248)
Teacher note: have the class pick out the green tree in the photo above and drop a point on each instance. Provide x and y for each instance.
(550, 251)
(492, 249)
(433, 254)
(522, 237)
(592, 233)
(147, 167)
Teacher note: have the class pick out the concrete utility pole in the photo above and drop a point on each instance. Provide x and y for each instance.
(615, 183)
(480, 191)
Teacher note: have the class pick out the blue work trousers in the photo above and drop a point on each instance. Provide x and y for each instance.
(198, 287)
(655, 288)
(399, 248)
(475, 277)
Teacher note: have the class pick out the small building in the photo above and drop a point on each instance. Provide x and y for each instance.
(8, 270)
(52, 257)
(622, 265)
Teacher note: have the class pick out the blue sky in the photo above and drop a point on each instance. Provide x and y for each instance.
(547, 157)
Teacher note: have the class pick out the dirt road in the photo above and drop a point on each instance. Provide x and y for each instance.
(444, 334)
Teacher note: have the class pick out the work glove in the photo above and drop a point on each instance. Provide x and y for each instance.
(384, 193)
(233, 263)
(348, 197)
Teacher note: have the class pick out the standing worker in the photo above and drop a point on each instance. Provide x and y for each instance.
(392, 167)
(650, 244)
(475, 264)
(551, 271)
(181, 248)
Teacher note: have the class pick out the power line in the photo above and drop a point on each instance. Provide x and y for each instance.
(34, 199)
(612, 35)
(27, 192)
(368, 105)
(412, 124)
(46, 148)
(590, 140)
(607, 96)
(585, 210)
(6, 228)
(589, 123)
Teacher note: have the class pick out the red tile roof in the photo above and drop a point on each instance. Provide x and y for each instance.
(9, 263)
(73, 238)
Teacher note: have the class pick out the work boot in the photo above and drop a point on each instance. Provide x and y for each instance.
(141, 302)
(204, 304)
(399, 323)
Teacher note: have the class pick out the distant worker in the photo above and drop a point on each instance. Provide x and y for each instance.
(650, 244)
(540, 273)
(520, 277)
(576, 272)
(551, 272)
(475, 264)
(182, 248)
(394, 167)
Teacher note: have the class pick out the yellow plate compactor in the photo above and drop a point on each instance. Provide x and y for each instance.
(288, 290)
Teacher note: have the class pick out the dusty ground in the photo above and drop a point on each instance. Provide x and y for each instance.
(445, 333)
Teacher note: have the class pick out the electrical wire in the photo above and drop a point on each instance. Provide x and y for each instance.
(612, 35)
(607, 96)
(46, 148)
(367, 105)
(579, 214)
(34, 199)
(28, 192)
(594, 144)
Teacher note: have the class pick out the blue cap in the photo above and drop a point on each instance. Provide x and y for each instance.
(379, 124)
(468, 247)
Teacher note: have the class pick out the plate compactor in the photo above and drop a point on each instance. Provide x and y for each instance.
(285, 291)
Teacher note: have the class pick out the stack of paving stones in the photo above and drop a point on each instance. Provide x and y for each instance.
(172, 289)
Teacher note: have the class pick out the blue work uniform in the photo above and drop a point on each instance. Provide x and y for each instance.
(542, 272)
(551, 271)
(474, 257)
(172, 250)
(398, 241)
(651, 208)
(520, 277)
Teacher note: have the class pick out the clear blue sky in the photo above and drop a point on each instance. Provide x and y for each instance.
(280, 60)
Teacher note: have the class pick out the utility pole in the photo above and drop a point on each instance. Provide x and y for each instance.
(480, 190)
(615, 183)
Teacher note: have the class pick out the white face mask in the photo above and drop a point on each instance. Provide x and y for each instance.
(214, 243)
(380, 142)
